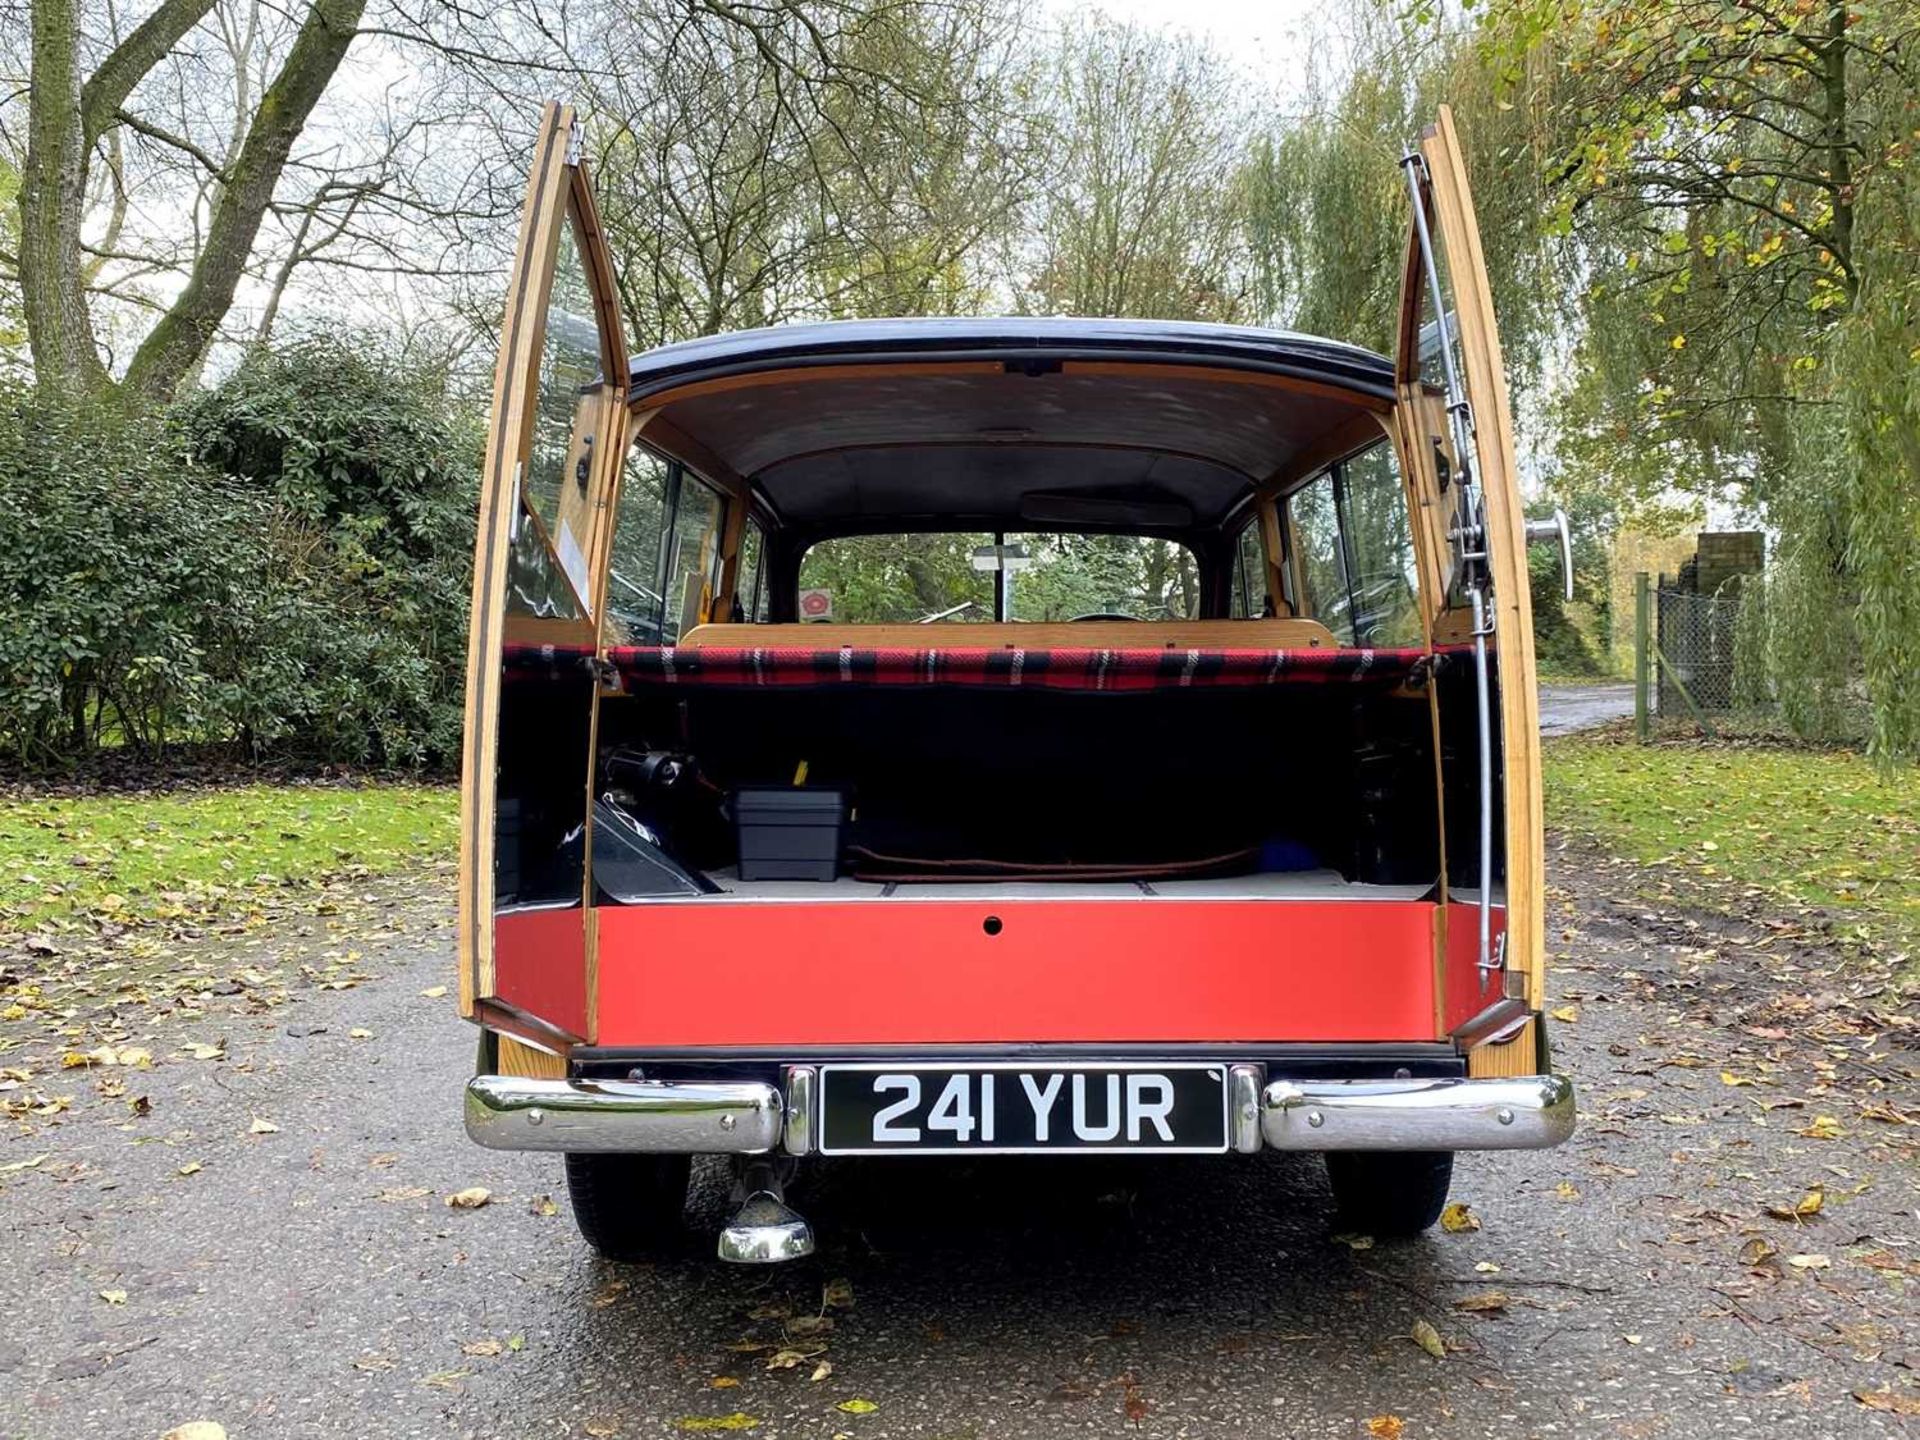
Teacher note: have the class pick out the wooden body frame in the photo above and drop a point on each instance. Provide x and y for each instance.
(1414, 422)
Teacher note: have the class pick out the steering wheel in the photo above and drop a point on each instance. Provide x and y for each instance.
(1100, 615)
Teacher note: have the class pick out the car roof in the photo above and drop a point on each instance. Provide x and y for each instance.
(1040, 338)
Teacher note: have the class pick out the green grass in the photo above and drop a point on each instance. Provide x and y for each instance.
(1812, 829)
(128, 858)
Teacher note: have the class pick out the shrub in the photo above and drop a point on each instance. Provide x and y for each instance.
(114, 549)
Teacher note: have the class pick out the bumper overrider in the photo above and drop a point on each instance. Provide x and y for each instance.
(506, 1112)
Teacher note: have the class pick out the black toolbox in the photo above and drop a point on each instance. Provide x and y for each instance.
(791, 833)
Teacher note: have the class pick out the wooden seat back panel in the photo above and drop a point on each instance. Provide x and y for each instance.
(1262, 634)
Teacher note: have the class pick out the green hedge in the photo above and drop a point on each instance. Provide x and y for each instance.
(278, 567)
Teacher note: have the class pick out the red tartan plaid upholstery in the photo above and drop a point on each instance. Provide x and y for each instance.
(1056, 669)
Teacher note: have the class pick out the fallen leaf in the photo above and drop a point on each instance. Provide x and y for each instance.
(472, 1198)
(543, 1206)
(735, 1421)
(200, 1050)
(263, 1127)
(433, 992)
(114, 1297)
(1756, 1251)
(1897, 1402)
(837, 1295)
(1567, 1190)
(1458, 1218)
(1807, 1205)
(1809, 1262)
(1823, 1127)
(1631, 1339)
(822, 1370)
(32, 1164)
(1567, 1014)
(400, 1194)
(197, 1430)
(1486, 1302)
(1428, 1339)
(1727, 1077)
(722, 1382)
(192, 1167)
(359, 1032)
(446, 1379)
(1385, 1427)
(602, 1429)
(788, 1359)
(482, 1347)
(806, 1325)
(857, 1407)
(1487, 1267)
(1352, 1241)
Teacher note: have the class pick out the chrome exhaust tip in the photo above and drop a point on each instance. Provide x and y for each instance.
(765, 1231)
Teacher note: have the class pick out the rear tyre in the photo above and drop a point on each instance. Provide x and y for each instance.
(628, 1207)
(1389, 1192)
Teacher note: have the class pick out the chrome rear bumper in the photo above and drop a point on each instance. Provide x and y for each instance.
(505, 1112)
(1526, 1113)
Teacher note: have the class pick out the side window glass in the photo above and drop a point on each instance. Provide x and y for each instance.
(1382, 576)
(1249, 597)
(634, 604)
(1317, 548)
(568, 408)
(693, 558)
(749, 587)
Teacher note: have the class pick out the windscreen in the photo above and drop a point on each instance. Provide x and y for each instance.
(979, 576)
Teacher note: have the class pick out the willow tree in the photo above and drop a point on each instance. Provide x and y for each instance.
(1733, 179)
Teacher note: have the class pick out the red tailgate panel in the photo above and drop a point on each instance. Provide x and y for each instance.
(540, 964)
(913, 972)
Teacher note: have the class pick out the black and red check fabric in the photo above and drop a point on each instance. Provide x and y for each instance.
(1052, 669)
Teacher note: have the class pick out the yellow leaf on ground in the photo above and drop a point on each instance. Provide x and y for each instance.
(359, 1033)
(735, 1421)
(1809, 1262)
(263, 1127)
(857, 1407)
(1727, 1077)
(722, 1382)
(1895, 1402)
(822, 1370)
(192, 1167)
(472, 1198)
(483, 1347)
(200, 1050)
(1824, 1127)
(197, 1430)
(434, 992)
(1385, 1427)
(1567, 1190)
(1428, 1339)
(1807, 1205)
(1567, 1014)
(1458, 1218)
(837, 1295)
(114, 1297)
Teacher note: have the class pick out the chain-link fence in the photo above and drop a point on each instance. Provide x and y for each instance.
(1697, 671)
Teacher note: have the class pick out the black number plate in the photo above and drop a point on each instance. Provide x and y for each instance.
(871, 1109)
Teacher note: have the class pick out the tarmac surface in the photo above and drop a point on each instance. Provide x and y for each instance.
(258, 1234)
(1567, 708)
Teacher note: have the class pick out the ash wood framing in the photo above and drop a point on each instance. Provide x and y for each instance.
(508, 439)
(1513, 607)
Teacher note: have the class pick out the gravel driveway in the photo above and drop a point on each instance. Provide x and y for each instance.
(258, 1235)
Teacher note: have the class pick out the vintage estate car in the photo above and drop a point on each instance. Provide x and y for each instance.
(999, 736)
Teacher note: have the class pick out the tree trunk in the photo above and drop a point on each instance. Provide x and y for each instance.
(53, 191)
(177, 344)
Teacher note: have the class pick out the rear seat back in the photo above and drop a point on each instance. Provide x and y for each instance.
(1261, 634)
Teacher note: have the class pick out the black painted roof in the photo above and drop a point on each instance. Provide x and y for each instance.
(1013, 337)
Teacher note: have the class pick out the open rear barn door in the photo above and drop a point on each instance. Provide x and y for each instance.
(1454, 392)
(554, 440)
